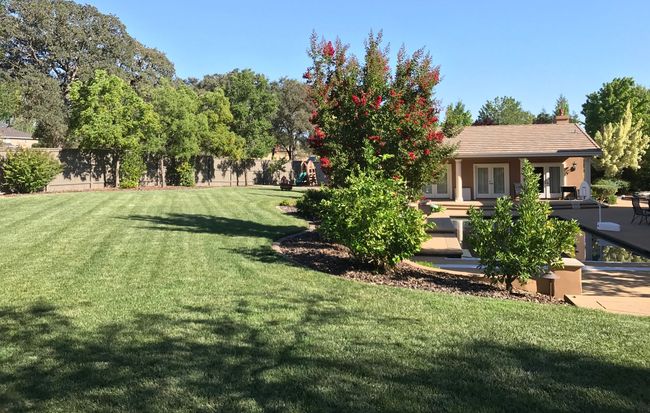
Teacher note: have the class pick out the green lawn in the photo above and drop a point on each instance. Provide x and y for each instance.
(173, 300)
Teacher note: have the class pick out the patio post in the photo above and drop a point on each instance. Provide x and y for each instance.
(587, 166)
(458, 191)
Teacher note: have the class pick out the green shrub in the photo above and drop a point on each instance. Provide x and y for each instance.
(522, 248)
(612, 199)
(309, 206)
(185, 172)
(131, 169)
(372, 217)
(621, 185)
(603, 191)
(28, 170)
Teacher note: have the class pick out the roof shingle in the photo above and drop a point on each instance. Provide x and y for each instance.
(524, 140)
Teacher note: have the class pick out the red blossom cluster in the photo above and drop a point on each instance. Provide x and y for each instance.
(328, 49)
(316, 139)
(325, 162)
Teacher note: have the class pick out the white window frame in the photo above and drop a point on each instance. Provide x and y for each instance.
(491, 166)
(547, 176)
(434, 188)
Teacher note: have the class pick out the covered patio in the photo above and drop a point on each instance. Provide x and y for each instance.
(488, 162)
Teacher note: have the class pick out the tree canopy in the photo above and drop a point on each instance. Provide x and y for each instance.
(503, 110)
(623, 143)
(365, 112)
(253, 105)
(291, 124)
(69, 41)
(561, 106)
(456, 118)
(108, 115)
(609, 103)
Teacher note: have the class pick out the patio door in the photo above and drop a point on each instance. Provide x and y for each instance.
(441, 188)
(491, 180)
(551, 180)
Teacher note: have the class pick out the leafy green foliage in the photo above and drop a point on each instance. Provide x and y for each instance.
(132, 169)
(70, 41)
(216, 137)
(609, 104)
(503, 110)
(185, 171)
(253, 105)
(543, 117)
(604, 190)
(371, 216)
(28, 170)
(310, 205)
(561, 106)
(361, 106)
(291, 124)
(624, 143)
(456, 118)
(522, 248)
(107, 114)
(9, 100)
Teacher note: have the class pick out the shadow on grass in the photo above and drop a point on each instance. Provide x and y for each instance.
(205, 358)
(210, 224)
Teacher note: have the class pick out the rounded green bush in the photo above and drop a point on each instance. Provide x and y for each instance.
(131, 171)
(309, 206)
(372, 217)
(185, 172)
(28, 170)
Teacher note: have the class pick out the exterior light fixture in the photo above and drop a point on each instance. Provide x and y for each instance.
(551, 277)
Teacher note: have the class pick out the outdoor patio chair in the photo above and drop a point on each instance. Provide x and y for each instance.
(642, 213)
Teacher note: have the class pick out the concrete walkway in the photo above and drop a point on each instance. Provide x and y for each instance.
(616, 289)
(620, 305)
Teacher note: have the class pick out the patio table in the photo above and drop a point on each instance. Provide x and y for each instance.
(571, 190)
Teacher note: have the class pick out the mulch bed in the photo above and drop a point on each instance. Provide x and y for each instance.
(310, 250)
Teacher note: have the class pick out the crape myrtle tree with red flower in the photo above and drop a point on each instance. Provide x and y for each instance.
(365, 109)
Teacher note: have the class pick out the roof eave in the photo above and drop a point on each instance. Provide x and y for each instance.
(568, 153)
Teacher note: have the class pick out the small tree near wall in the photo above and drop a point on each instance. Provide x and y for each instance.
(527, 247)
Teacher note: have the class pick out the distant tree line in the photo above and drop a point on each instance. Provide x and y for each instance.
(75, 78)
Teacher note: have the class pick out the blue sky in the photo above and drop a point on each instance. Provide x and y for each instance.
(531, 50)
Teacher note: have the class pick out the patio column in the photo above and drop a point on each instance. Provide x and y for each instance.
(458, 190)
(587, 163)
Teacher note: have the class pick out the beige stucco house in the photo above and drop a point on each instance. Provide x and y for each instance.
(488, 161)
(14, 138)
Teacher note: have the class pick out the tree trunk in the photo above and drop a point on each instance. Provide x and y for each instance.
(116, 170)
(161, 167)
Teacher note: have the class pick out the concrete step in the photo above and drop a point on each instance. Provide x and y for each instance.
(442, 245)
(442, 225)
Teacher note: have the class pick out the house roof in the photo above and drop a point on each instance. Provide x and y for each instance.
(14, 133)
(524, 141)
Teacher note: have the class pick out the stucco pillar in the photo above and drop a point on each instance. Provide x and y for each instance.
(587, 166)
(458, 190)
